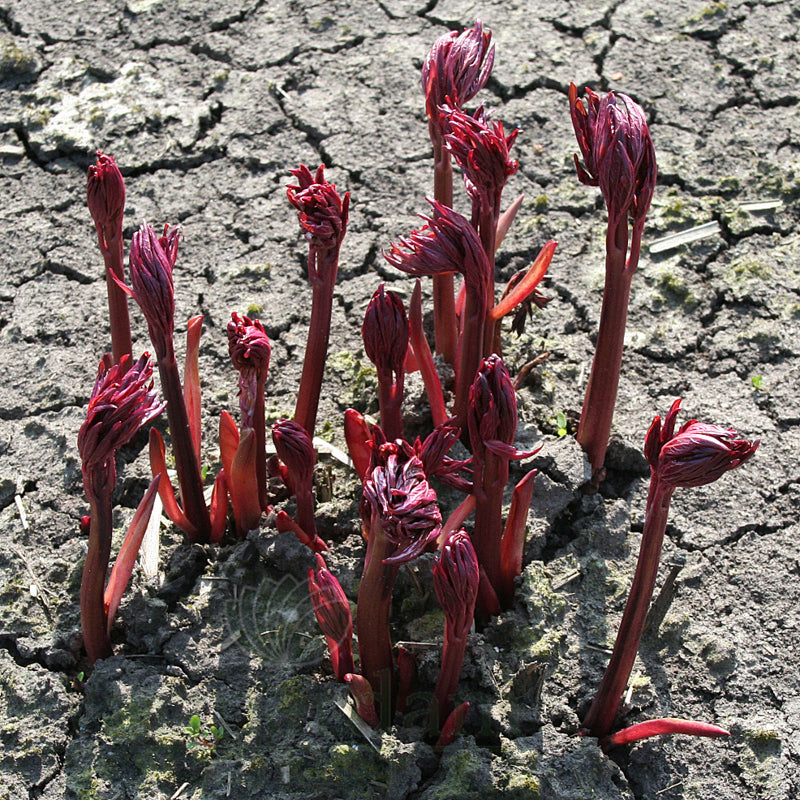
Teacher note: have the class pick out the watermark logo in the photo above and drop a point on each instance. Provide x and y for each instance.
(275, 619)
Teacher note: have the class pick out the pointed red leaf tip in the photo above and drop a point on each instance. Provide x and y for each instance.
(618, 153)
(697, 454)
(385, 331)
(481, 149)
(658, 727)
(152, 260)
(456, 576)
(332, 610)
(446, 243)
(456, 68)
(363, 697)
(452, 726)
(492, 416)
(397, 490)
(435, 461)
(323, 211)
(105, 193)
(358, 438)
(122, 401)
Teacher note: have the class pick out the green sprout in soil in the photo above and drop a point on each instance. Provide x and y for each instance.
(202, 737)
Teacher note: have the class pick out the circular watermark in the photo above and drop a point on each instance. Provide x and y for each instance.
(275, 620)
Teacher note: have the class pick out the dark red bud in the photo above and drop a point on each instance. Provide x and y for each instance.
(697, 454)
(152, 260)
(456, 576)
(323, 212)
(618, 153)
(105, 193)
(399, 493)
(492, 414)
(385, 331)
(295, 449)
(122, 401)
(456, 68)
(248, 344)
(481, 149)
(447, 243)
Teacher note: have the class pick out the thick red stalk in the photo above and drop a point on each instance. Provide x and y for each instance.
(476, 310)
(318, 333)
(450, 671)
(186, 464)
(489, 482)
(260, 428)
(390, 401)
(93, 612)
(372, 616)
(601, 391)
(112, 250)
(444, 308)
(599, 720)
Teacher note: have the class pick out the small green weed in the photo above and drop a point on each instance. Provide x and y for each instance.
(205, 737)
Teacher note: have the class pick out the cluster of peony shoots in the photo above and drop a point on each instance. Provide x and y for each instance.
(478, 550)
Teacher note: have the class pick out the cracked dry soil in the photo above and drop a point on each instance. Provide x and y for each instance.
(206, 106)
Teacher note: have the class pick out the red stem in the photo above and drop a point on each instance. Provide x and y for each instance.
(601, 715)
(119, 319)
(305, 511)
(487, 228)
(260, 428)
(189, 481)
(471, 352)
(444, 307)
(372, 617)
(318, 333)
(450, 672)
(390, 401)
(489, 482)
(93, 612)
(601, 391)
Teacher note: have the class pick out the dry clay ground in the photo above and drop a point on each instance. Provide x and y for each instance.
(206, 106)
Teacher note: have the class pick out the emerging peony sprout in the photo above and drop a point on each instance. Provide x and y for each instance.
(295, 449)
(448, 243)
(122, 401)
(618, 156)
(696, 455)
(245, 462)
(385, 333)
(455, 578)
(481, 149)
(152, 261)
(332, 610)
(492, 422)
(323, 218)
(456, 68)
(105, 196)
(400, 519)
